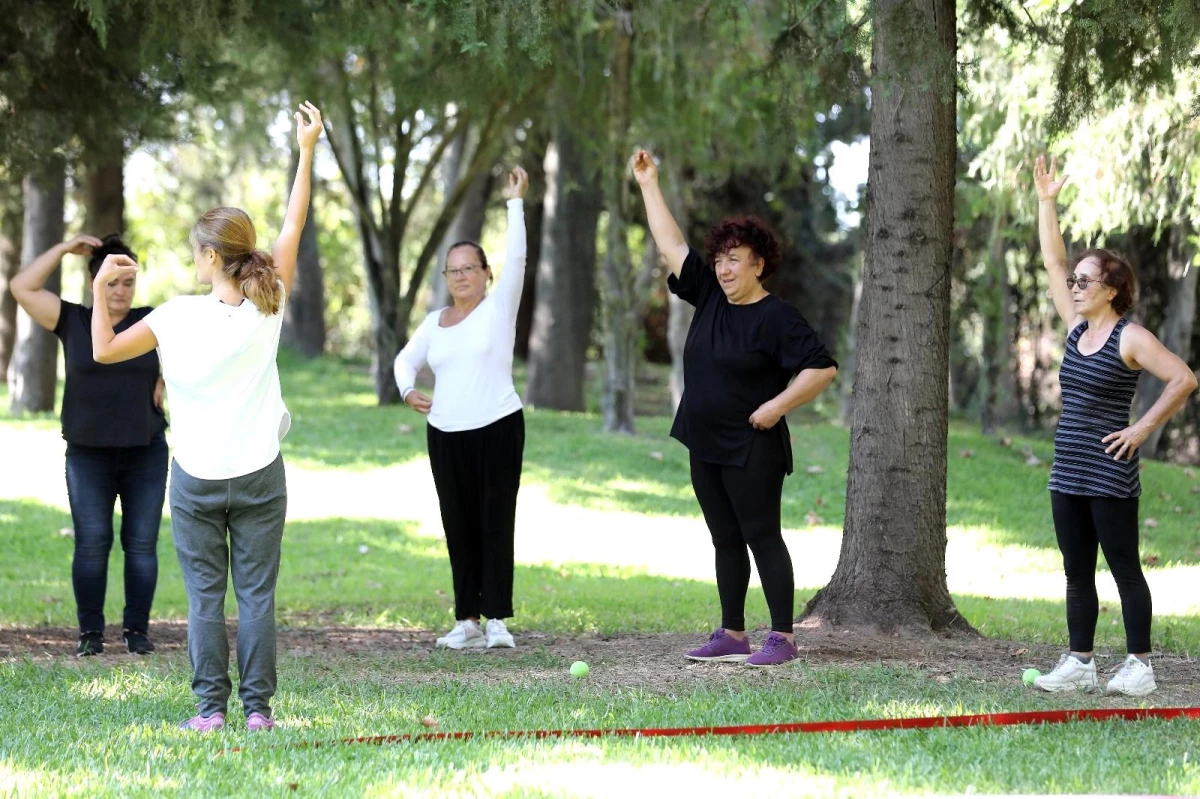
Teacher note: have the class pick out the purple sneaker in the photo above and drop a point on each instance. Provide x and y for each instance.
(257, 722)
(205, 723)
(775, 650)
(721, 648)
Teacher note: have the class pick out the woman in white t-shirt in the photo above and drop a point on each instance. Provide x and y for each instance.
(228, 493)
(476, 430)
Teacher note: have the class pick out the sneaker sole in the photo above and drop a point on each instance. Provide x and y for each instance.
(503, 642)
(719, 658)
(750, 665)
(1139, 692)
(1069, 687)
(474, 643)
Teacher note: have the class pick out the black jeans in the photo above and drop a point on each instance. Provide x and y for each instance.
(96, 476)
(1082, 524)
(477, 474)
(741, 505)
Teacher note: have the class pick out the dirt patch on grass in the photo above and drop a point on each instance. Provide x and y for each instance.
(651, 662)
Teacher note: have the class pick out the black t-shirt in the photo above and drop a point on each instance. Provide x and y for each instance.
(736, 358)
(106, 405)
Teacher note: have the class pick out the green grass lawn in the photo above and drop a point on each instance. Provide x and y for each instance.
(104, 726)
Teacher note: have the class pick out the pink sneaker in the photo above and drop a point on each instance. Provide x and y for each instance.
(257, 722)
(205, 723)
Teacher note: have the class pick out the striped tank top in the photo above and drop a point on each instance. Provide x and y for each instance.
(1097, 395)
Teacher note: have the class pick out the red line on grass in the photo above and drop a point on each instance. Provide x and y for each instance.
(855, 725)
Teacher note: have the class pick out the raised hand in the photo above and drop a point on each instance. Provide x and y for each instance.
(308, 131)
(82, 244)
(114, 266)
(644, 168)
(518, 184)
(1047, 183)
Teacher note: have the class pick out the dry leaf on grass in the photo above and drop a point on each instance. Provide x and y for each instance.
(815, 469)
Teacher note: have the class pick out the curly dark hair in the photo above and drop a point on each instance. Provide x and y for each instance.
(736, 231)
(1115, 272)
(110, 245)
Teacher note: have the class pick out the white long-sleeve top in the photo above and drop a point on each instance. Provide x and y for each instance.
(472, 360)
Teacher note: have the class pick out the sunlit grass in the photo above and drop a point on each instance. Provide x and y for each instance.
(612, 544)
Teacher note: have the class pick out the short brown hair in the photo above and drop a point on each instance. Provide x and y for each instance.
(1115, 272)
(750, 231)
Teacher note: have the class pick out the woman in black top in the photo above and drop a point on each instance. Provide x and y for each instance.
(743, 350)
(113, 424)
(1094, 483)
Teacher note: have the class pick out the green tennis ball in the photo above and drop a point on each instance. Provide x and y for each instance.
(579, 669)
(1029, 675)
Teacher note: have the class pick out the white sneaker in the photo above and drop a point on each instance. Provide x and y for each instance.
(1134, 679)
(465, 635)
(498, 634)
(1071, 674)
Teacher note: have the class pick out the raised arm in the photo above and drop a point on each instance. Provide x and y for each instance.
(28, 285)
(109, 347)
(667, 235)
(1054, 250)
(512, 278)
(288, 243)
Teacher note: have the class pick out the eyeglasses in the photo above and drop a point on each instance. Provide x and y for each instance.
(465, 271)
(1083, 282)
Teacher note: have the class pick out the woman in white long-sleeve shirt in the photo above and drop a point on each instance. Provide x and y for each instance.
(476, 429)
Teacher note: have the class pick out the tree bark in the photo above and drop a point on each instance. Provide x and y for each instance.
(679, 313)
(10, 263)
(891, 573)
(103, 198)
(33, 371)
(304, 316)
(565, 288)
(996, 352)
(621, 326)
(1176, 330)
(534, 159)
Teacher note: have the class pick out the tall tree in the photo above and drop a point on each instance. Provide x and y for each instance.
(11, 212)
(103, 192)
(304, 316)
(565, 291)
(623, 286)
(891, 570)
(32, 372)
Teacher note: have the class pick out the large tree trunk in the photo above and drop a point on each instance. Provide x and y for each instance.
(10, 263)
(103, 198)
(534, 159)
(679, 313)
(304, 316)
(891, 573)
(996, 352)
(849, 360)
(1176, 330)
(621, 323)
(565, 290)
(33, 372)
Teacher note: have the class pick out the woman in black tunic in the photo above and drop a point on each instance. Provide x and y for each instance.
(113, 423)
(743, 348)
(1094, 483)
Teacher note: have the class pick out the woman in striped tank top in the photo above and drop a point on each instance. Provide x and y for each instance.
(1094, 483)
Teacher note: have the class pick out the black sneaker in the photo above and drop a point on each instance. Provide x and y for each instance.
(138, 643)
(90, 643)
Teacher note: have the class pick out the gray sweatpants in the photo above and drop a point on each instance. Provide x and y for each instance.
(230, 527)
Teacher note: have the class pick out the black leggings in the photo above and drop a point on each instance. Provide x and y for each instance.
(741, 508)
(1081, 523)
(477, 474)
